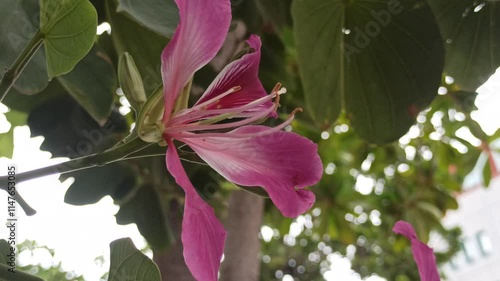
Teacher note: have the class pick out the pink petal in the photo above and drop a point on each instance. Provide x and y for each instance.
(422, 254)
(243, 72)
(202, 28)
(281, 162)
(203, 235)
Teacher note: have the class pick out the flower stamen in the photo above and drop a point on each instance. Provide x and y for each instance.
(189, 115)
(186, 134)
(198, 127)
(205, 104)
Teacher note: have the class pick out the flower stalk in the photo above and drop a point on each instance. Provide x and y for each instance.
(128, 150)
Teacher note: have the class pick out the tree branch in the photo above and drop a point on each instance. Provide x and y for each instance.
(17, 68)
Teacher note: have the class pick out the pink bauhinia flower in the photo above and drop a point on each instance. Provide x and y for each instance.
(283, 163)
(422, 254)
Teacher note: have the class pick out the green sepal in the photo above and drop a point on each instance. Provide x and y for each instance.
(183, 99)
(150, 117)
(149, 123)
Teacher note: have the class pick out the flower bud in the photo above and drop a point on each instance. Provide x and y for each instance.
(131, 82)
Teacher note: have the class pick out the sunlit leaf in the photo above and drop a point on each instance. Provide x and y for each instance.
(487, 173)
(69, 30)
(15, 118)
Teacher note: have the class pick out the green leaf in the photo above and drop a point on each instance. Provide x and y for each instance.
(69, 30)
(128, 263)
(380, 62)
(93, 83)
(4, 250)
(15, 118)
(17, 26)
(471, 30)
(147, 210)
(476, 130)
(495, 136)
(26, 103)
(69, 131)
(7, 141)
(142, 44)
(430, 208)
(160, 16)
(91, 185)
(487, 173)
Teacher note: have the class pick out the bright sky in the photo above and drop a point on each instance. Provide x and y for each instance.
(488, 102)
(80, 234)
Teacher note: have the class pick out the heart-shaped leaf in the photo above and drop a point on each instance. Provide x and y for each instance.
(69, 29)
(380, 62)
(128, 263)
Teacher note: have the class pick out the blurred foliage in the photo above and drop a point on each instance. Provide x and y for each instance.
(53, 272)
(366, 188)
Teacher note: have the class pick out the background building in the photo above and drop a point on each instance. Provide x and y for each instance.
(479, 218)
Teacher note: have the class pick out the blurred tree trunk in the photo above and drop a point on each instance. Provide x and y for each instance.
(243, 224)
(171, 262)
